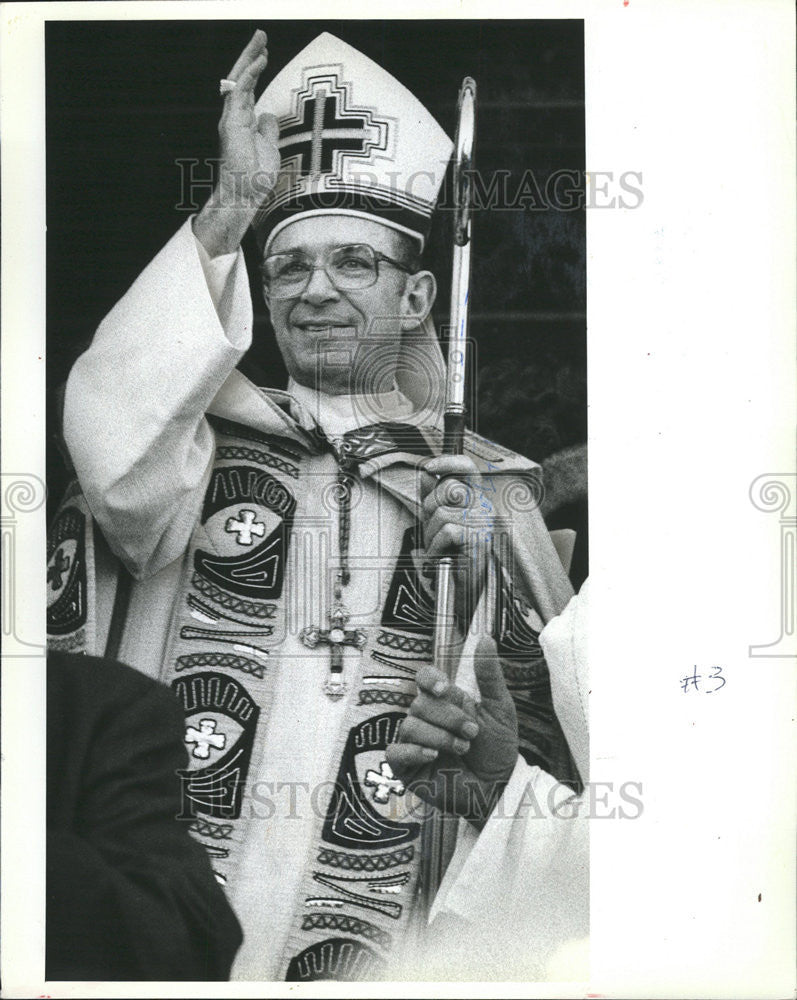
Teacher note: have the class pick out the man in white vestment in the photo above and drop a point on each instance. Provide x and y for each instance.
(266, 553)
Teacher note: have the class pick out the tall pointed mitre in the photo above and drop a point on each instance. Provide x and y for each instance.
(352, 140)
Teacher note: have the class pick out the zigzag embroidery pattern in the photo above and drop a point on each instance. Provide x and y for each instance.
(405, 643)
(255, 609)
(229, 660)
(204, 612)
(236, 430)
(366, 862)
(349, 925)
(400, 699)
(216, 831)
(260, 457)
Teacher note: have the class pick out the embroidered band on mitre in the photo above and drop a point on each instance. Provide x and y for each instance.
(353, 141)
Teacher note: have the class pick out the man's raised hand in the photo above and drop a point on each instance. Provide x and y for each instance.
(248, 154)
(452, 752)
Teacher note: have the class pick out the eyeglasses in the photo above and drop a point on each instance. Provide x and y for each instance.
(349, 268)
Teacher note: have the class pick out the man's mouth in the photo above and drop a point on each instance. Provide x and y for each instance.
(320, 325)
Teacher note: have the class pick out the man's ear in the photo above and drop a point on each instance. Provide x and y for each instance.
(417, 299)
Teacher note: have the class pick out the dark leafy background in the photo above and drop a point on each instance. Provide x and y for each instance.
(126, 100)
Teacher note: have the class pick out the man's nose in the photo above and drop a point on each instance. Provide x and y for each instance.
(319, 288)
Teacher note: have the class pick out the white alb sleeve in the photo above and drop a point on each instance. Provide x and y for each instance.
(564, 642)
(134, 411)
(217, 272)
(518, 890)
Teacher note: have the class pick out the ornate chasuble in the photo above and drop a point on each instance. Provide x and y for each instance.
(315, 841)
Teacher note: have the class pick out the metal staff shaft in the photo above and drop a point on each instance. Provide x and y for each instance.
(439, 831)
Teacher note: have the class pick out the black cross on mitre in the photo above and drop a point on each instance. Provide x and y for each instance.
(326, 124)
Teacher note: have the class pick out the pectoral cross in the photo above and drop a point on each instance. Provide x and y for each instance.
(336, 637)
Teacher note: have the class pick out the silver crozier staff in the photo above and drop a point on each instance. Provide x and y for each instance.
(439, 831)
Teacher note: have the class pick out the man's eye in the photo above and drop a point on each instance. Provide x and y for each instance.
(293, 269)
(352, 263)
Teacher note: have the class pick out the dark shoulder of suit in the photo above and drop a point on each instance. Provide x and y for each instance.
(130, 896)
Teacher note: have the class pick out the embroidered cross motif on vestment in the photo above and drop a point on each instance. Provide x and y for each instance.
(60, 566)
(204, 738)
(245, 528)
(384, 783)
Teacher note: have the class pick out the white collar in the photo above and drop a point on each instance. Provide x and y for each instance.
(338, 414)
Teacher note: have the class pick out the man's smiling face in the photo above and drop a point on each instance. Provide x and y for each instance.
(368, 322)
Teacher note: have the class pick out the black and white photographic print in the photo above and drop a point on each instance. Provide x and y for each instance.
(398, 500)
(257, 487)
